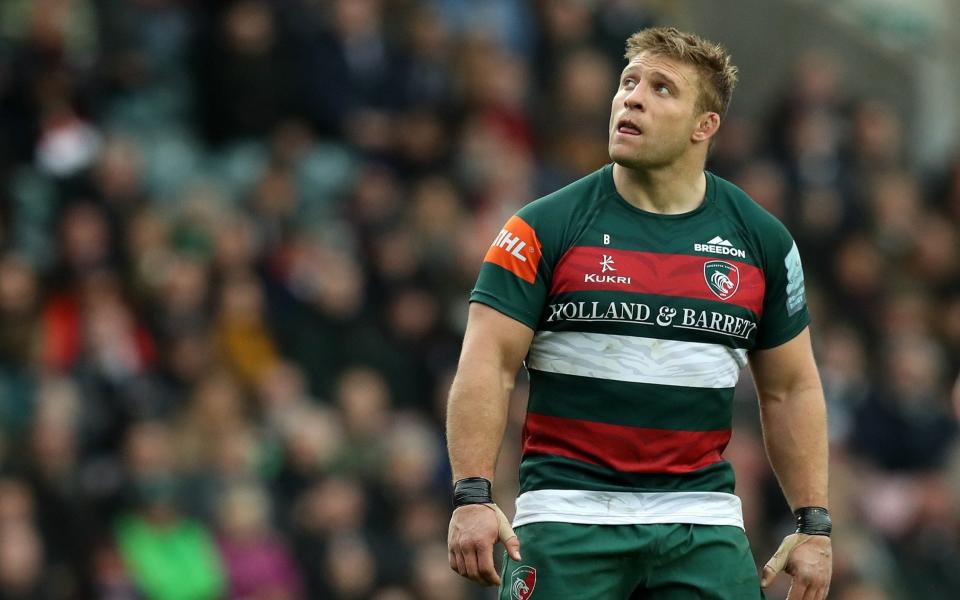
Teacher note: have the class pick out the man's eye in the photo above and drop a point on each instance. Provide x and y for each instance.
(661, 88)
(629, 82)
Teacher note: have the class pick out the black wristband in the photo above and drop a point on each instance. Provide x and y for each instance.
(471, 490)
(813, 520)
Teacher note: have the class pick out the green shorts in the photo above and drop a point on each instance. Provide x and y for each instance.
(630, 562)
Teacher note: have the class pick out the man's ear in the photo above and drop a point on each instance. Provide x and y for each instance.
(707, 127)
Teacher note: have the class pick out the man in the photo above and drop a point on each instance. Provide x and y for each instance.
(634, 296)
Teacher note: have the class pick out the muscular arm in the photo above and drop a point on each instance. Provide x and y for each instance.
(793, 416)
(493, 349)
(494, 346)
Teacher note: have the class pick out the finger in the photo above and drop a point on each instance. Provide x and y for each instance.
(453, 560)
(504, 530)
(488, 570)
(812, 593)
(797, 590)
(470, 561)
(779, 558)
(461, 564)
(513, 548)
(767, 576)
(822, 591)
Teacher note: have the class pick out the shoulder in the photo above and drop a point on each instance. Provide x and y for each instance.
(572, 200)
(756, 222)
(559, 218)
(739, 205)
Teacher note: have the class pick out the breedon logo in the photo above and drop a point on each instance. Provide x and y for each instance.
(722, 278)
(718, 245)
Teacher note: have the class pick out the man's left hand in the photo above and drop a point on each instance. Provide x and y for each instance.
(806, 558)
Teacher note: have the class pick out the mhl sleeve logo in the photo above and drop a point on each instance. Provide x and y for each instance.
(516, 249)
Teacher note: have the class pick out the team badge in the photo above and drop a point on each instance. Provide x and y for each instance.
(722, 278)
(522, 582)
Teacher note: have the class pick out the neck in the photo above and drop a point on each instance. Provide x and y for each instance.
(670, 190)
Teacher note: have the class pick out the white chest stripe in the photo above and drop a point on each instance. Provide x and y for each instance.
(636, 359)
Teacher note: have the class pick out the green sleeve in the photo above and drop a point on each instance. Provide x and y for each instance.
(784, 304)
(515, 275)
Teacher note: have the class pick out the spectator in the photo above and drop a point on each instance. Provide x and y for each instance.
(246, 73)
(21, 564)
(256, 561)
(907, 423)
(168, 555)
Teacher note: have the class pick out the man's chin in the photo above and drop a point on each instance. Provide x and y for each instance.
(619, 155)
(639, 160)
(627, 160)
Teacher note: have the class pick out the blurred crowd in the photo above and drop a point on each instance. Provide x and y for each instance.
(236, 244)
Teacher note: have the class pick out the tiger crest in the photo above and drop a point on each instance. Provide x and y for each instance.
(722, 278)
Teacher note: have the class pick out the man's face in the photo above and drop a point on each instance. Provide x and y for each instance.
(654, 112)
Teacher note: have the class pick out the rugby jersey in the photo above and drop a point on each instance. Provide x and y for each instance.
(642, 323)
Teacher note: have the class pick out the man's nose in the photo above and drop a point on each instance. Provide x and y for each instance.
(635, 99)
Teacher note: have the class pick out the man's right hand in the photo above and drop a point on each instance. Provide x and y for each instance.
(474, 530)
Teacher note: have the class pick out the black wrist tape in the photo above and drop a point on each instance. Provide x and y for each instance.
(813, 520)
(471, 490)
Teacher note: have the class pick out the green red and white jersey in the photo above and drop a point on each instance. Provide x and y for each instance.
(642, 323)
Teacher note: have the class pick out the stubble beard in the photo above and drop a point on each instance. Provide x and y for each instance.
(645, 159)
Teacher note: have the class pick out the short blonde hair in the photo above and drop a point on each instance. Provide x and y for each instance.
(718, 75)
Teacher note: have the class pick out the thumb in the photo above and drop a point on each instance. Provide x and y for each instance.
(505, 532)
(779, 559)
(513, 547)
(767, 577)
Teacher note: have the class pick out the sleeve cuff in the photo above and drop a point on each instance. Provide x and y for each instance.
(515, 313)
(785, 336)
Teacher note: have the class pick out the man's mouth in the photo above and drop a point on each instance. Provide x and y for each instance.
(627, 127)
